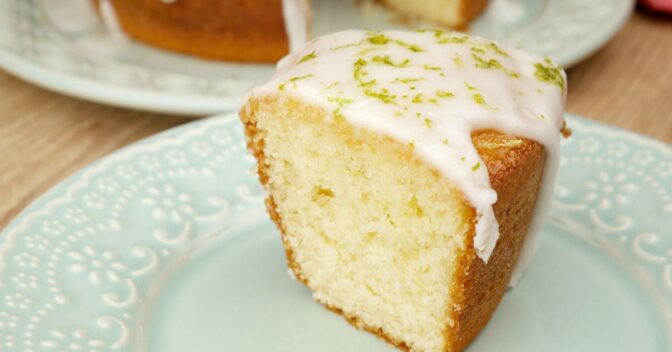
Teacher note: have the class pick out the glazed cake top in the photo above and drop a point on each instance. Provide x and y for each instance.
(431, 90)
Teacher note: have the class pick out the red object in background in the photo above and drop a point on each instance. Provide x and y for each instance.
(657, 5)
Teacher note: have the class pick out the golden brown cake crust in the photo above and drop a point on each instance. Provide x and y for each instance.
(515, 166)
(516, 175)
(242, 30)
(471, 9)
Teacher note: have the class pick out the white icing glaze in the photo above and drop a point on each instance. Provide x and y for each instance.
(110, 20)
(432, 90)
(296, 15)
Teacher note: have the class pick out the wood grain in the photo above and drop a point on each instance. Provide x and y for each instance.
(629, 82)
(44, 136)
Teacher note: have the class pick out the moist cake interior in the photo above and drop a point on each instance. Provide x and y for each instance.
(378, 234)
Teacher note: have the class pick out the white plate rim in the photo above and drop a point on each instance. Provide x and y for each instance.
(201, 105)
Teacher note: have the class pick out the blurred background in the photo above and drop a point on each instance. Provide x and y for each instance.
(620, 73)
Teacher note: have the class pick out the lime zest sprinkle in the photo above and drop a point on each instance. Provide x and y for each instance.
(359, 69)
(401, 112)
(307, 57)
(492, 64)
(345, 46)
(549, 73)
(298, 78)
(444, 94)
(332, 85)
(497, 49)
(385, 60)
(457, 59)
(428, 122)
(480, 100)
(476, 166)
(477, 49)
(418, 98)
(340, 102)
(293, 80)
(383, 95)
(407, 80)
(378, 38)
(450, 38)
(414, 48)
(367, 83)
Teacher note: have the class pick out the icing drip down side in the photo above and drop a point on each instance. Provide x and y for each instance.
(110, 20)
(296, 14)
(431, 90)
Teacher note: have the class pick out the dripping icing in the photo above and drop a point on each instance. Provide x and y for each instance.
(296, 14)
(109, 17)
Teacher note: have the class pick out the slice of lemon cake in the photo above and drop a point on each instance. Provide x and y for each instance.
(404, 170)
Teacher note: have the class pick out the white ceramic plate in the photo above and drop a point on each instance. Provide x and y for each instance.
(60, 45)
(165, 246)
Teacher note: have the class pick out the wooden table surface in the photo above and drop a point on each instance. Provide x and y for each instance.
(44, 136)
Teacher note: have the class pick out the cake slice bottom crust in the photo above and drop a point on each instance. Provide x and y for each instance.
(378, 235)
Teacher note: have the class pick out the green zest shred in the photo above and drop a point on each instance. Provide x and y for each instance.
(308, 57)
(293, 80)
(547, 72)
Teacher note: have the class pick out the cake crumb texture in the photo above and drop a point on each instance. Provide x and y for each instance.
(380, 236)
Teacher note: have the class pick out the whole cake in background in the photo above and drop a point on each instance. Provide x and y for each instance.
(404, 171)
(247, 30)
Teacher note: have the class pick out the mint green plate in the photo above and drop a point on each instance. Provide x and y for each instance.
(165, 246)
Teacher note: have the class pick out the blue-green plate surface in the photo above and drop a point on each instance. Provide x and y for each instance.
(165, 246)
